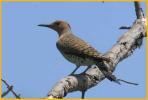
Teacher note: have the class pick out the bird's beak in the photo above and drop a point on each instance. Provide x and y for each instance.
(44, 25)
(47, 25)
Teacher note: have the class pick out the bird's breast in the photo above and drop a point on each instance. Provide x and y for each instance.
(78, 60)
(75, 50)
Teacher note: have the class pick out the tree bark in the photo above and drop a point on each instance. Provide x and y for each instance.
(124, 48)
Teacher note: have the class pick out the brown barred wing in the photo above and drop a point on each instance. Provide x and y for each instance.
(73, 45)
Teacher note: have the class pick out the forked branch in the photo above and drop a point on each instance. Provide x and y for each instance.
(9, 89)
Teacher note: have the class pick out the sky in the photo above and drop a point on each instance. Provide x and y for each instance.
(32, 63)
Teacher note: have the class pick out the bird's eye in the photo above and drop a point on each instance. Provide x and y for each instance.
(57, 24)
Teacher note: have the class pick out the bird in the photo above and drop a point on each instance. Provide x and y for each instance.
(74, 49)
(79, 52)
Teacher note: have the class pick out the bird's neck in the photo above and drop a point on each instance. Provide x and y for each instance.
(61, 33)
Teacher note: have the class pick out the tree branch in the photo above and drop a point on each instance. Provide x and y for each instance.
(124, 27)
(138, 10)
(124, 47)
(10, 88)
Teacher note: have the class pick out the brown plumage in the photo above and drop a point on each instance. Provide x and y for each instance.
(78, 51)
(73, 48)
(83, 54)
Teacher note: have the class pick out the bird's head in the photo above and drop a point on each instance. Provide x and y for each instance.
(59, 26)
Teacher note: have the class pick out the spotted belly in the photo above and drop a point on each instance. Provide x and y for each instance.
(78, 60)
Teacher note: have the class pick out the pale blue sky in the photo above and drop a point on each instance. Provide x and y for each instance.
(32, 63)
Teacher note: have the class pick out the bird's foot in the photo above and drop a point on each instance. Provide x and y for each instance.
(71, 74)
(84, 72)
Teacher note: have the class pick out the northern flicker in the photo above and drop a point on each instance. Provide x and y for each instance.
(77, 51)
(73, 48)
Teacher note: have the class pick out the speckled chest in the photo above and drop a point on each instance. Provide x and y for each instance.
(79, 61)
(70, 47)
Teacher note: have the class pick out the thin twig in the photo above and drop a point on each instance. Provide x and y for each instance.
(10, 88)
(125, 27)
(127, 82)
(138, 10)
(6, 92)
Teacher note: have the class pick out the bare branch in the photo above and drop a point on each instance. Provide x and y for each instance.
(6, 92)
(10, 88)
(124, 48)
(138, 10)
(125, 27)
